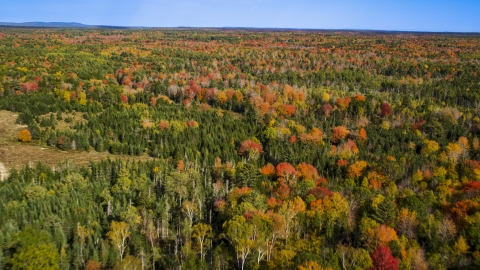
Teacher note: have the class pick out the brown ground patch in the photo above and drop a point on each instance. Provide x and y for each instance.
(8, 129)
(14, 154)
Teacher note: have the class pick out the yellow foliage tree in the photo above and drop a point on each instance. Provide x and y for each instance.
(406, 222)
(82, 99)
(429, 147)
(202, 234)
(461, 246)
(118, 234)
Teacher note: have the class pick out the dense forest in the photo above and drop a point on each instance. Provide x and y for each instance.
(270, 149)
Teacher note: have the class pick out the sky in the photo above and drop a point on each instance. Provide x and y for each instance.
(406, 15)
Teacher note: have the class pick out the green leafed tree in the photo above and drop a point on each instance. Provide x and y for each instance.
(33, 250)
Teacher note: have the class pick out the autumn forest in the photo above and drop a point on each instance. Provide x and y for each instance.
(242, 149)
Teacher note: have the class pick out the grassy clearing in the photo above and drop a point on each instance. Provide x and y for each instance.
(14, 154)
(64, 124)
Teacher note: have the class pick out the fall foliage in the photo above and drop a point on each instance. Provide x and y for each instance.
(242, 148)
(24, 135)
(383, 260)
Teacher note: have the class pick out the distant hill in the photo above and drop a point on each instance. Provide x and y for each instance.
(59, 25)
(87, 26)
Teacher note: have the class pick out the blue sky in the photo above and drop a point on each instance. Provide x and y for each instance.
(407, 15)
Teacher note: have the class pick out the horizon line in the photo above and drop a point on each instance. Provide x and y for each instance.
(83, 26)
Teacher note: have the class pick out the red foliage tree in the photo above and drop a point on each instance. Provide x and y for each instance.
(270, 98)
(124, 98)
(464, 208)
(249, 147)
(272, 202)
(383, 259)
(163, 125)
(385, 109)
(193, 89)
(290, 109)
(29, 86)
(322, 181)
(211, 93)
(327, 109)
(418, 124)
(283, 191)
(472, 188)
(286, 170)
(342, 162)
(320, 192)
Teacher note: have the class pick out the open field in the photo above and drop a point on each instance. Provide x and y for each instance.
(14, 154)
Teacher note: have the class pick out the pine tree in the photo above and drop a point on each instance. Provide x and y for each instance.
(386, 212)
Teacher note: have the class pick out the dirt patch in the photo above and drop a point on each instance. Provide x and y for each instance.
(14, 154)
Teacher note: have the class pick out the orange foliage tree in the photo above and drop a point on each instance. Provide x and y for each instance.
(339, 133)
(362, 135)
(343, 103)
(24, 135)
(268, 169)
(286, 109)
(307, 171)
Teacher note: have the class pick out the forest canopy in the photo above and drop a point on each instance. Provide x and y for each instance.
(269, 149)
